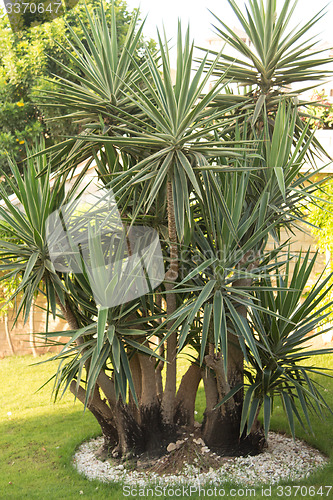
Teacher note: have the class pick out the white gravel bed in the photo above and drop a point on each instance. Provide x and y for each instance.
(284, 459)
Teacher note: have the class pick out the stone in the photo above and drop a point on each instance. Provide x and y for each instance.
(279, 462)
(199, 441)
(171, 447)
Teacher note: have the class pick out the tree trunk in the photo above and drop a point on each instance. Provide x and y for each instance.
(137, 381)
(32, 330)
(185, 401)
(8, 336)
(158, 374)
(211, 416)
(67, 314)
(160, 416)
(160, 364)
(104, 417)
(221, 426)
(169, 395)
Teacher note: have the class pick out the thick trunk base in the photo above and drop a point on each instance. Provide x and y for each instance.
(148, 437)
(156, 435)
(221, 434)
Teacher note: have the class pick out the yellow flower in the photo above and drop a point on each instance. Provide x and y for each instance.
(21, 142)
(20, 104)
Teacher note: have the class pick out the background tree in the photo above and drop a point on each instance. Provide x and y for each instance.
(215, 186)
(321, 217)
(7, 290)
(320, 111)
(280, 56)
(27, 66)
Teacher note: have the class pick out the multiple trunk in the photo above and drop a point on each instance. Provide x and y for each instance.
(131, 430)
(163, 412)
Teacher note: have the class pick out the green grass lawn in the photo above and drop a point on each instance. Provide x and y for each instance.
(38, 439)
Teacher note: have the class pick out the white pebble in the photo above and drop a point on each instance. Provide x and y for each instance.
(171, 447)
(282, 460)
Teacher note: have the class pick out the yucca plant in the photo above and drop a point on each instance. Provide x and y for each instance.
(279, 56)
(285, 347)
(23, 224)
(225, 253)
(175, 145)
(104, 69)
(185, 167)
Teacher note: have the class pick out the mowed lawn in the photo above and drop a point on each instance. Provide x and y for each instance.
(38, 438)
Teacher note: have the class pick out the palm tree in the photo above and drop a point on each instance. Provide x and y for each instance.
(280, 55)
(215, 187)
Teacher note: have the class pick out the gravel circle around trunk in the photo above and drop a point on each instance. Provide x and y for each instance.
(283, 459)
